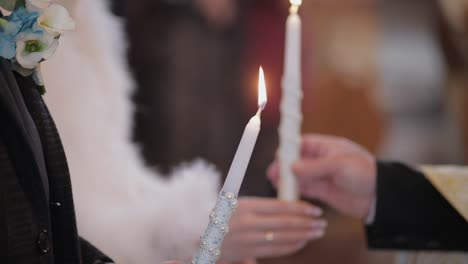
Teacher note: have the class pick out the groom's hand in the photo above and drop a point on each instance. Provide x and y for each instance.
(335, 171)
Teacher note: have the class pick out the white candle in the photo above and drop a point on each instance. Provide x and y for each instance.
(249, 138)
(291, 114)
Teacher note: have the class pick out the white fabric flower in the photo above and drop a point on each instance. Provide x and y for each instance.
(32, 48)
(37, 5)
(55, 19)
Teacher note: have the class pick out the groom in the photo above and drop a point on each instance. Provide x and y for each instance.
(37, 218)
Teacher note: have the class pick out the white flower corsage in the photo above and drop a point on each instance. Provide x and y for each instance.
(29, 35)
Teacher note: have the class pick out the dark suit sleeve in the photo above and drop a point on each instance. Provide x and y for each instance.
(412, 214)
(91, 255)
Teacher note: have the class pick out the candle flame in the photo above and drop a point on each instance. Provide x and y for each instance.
(296, 2)
(262, 94)
(295, 6)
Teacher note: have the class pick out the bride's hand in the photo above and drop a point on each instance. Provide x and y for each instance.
(264, 227)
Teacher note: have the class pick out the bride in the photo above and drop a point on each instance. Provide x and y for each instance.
(124, 208)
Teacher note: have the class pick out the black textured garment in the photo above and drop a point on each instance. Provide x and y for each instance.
(37, 218)
(411, 214)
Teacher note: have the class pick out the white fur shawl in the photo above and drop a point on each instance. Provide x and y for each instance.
(122, 207)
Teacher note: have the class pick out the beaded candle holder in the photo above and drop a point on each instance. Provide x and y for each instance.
(211, 241)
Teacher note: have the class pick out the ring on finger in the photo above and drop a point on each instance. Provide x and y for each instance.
(269, 236)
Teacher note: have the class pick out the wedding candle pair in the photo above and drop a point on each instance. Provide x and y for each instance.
(289, 150)
(291, 117)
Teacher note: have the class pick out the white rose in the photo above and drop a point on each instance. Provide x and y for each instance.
(32, 48)
(55, 19)
(37, 5)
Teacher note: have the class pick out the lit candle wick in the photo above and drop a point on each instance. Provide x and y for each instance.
(249, 138)
(262, 94)
(294, 9)
(295, 6)
(260, 109)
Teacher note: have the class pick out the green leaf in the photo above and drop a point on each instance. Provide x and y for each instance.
(8, 4)
(3, 23)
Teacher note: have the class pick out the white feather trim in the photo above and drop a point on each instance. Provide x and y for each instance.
(122, 207)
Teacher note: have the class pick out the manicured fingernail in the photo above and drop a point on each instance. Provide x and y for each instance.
(319, 224)
(316, 234)
(314, 211)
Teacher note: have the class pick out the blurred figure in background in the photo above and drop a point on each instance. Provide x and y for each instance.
(412, 85)
(416, 60)
(185, 57)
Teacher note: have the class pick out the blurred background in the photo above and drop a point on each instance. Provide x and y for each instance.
(389, 74)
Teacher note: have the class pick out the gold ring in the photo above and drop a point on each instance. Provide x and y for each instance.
(269, 236)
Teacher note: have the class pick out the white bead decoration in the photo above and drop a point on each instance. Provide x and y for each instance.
(211, 241)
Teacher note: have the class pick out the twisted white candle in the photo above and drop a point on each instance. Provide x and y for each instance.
(291, 114)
